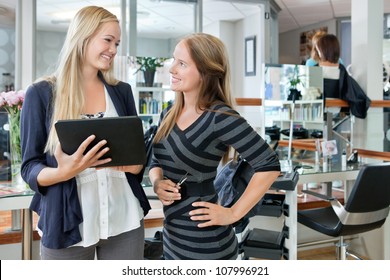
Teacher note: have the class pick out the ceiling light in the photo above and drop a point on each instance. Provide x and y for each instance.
(64, 15)
(142, 14)
(180, 1)
(60, 21)
(68, 15)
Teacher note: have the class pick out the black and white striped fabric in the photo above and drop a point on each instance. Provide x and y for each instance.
(198, 150)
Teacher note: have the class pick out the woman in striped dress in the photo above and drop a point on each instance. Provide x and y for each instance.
(194, 134)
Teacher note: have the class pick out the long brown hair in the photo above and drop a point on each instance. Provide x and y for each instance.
(211, 59)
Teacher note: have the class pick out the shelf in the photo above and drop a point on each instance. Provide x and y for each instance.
(249, 101)
(280, 103)
(152, 100)
(306, 113)
(301, 121)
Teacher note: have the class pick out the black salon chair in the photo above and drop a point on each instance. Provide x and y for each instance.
(366, 208)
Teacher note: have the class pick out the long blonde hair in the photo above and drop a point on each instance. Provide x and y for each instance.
(211, 59)
(68, 97)
(314, 54)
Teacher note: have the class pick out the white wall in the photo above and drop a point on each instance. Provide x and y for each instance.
(153, 47)
(233, 35)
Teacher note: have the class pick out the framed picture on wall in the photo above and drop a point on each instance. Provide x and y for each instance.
(250, 56)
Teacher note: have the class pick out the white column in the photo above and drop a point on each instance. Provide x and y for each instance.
(132, 29)
(123, 46)
(366, 57)
(25, 43)
(367, 52)
(367, 42)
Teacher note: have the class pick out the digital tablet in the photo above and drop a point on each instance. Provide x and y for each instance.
(124, 135)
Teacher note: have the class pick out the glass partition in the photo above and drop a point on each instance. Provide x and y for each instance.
(7, 82)
(280, 78)
(5, 170)
(306, 116)
(7, 48)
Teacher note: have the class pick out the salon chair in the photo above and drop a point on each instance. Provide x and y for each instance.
(366, 208)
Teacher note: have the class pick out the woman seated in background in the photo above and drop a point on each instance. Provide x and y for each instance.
(314, 58)
(328, 50)
(337, 82)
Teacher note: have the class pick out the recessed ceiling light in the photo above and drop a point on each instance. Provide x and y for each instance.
(143, 14)
(60, 21)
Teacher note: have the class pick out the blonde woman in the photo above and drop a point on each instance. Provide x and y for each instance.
(193, 137)
(314, 58)
(84, 212)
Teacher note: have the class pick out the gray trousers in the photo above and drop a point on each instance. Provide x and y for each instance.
(126, 246)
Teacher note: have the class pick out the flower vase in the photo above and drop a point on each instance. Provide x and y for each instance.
(15, 150)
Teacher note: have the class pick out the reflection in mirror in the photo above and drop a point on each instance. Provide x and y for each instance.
(280, 78)
(306, 114)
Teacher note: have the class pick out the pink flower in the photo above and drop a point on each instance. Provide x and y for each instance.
(12, 100)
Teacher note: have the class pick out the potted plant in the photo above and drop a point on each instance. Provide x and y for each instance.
(148, 65)
(294, 80)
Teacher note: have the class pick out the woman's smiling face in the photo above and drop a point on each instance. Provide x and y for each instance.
(103, 46)
(185, 76)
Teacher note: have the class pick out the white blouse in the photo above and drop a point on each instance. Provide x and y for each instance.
(107, 201)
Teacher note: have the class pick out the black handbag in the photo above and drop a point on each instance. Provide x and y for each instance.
(148, 138)
(231, 182)
(153, 247)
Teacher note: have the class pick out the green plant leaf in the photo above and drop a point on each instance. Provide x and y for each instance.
(148, 63)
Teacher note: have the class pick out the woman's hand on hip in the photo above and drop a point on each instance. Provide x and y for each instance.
(211, 214)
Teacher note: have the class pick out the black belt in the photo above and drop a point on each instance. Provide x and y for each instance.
(197, 189)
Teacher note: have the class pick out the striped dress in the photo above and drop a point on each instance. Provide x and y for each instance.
(198, 150)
